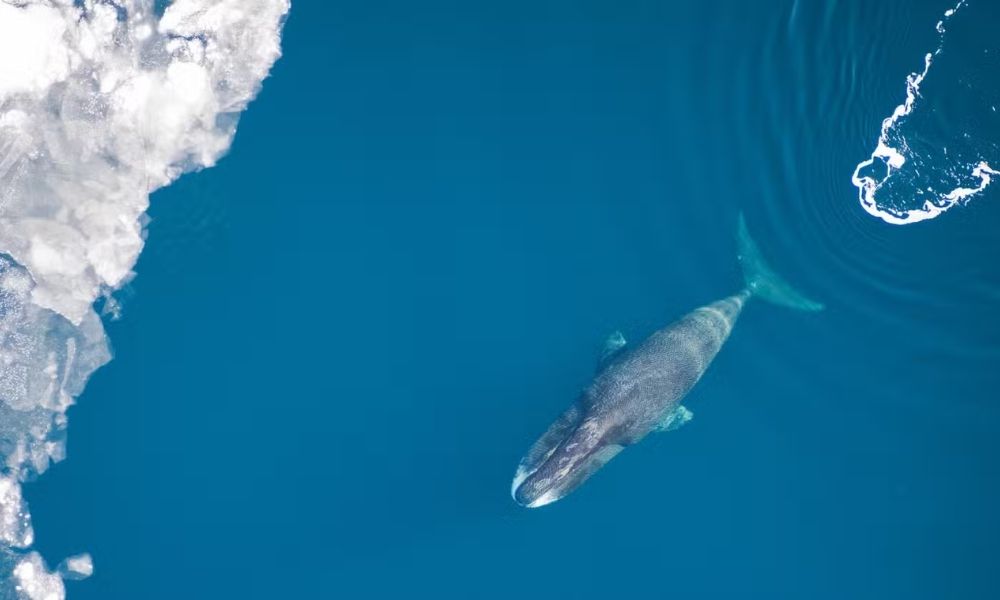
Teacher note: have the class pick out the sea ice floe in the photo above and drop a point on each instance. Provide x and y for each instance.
(101, 103)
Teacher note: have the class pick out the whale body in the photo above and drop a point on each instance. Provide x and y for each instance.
(639, 390)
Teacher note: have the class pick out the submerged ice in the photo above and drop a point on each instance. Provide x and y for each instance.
(101, 103)
(930, 155)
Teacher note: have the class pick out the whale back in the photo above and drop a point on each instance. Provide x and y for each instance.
(639, 387)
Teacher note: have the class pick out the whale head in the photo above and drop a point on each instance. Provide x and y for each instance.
(562, 464)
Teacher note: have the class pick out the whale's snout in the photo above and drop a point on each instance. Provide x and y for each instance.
(515, 486)
(521, 495)
(530, 493)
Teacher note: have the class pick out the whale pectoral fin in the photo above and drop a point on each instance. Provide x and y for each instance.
(612, 346)
(674, 419)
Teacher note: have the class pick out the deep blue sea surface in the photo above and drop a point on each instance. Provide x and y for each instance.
(343, 338)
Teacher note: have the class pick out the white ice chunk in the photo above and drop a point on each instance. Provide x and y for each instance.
(35, 34)
(15, 522)
(77, 567)
(35, 582)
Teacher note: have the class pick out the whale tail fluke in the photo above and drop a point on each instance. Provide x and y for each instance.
(762, 281)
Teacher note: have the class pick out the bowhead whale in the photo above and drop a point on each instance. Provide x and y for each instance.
(639, 390)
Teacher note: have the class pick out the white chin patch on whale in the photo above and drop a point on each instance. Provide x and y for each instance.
(546, 498)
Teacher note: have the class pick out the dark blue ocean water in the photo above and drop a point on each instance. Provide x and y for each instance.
(343, 338)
